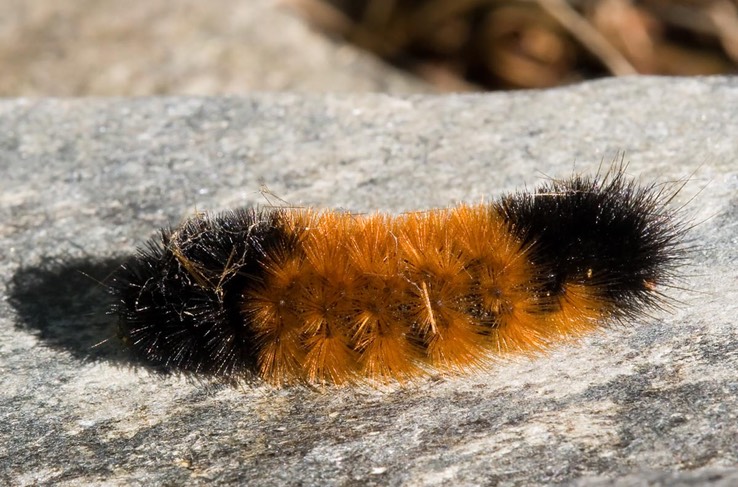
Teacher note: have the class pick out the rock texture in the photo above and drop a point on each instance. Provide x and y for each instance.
(84, 181)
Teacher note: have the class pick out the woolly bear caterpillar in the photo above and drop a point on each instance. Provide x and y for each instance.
(302, 295)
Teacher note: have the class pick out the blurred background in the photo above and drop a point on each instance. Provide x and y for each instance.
(154, 47)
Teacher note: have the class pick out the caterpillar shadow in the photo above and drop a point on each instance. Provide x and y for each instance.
(66, 304)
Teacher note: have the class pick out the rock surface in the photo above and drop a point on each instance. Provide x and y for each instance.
(156, 47)
(84, 181)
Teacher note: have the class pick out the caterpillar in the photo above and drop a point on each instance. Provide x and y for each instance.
(299, 295)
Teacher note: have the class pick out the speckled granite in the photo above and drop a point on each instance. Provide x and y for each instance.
(85, 181)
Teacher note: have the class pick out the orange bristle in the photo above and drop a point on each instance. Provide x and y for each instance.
(376, 297)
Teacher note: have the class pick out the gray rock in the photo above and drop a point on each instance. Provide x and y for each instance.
(149, 47)
(85, 181)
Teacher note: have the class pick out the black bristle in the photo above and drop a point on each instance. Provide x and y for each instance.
(605, 231)
(178, 299)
